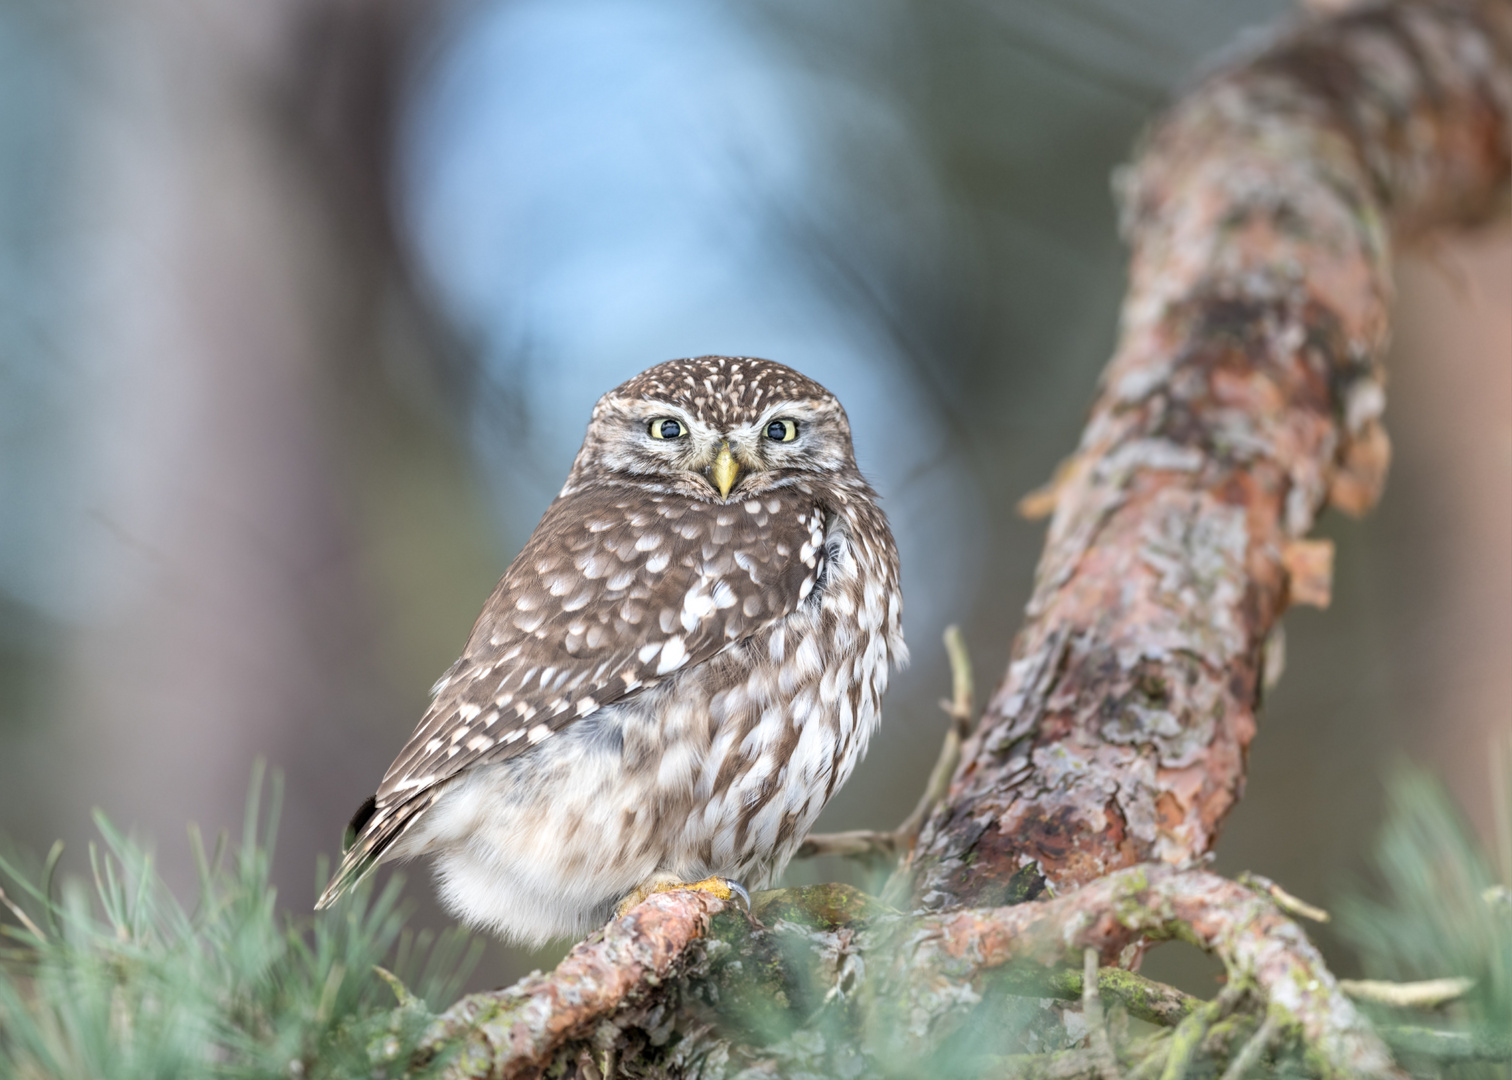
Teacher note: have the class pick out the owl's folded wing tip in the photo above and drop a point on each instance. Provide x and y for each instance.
(348, 874)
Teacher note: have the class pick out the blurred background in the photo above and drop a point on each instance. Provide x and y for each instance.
(304, 304)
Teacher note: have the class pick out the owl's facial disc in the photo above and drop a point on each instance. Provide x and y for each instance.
(726, 454)
(739, 459)
(683, 443)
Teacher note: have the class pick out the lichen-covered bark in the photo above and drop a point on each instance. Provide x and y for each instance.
(822, 982)
(1246, 391)
(1259, 946)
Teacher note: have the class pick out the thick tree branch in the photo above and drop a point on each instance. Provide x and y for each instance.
(1246, 391)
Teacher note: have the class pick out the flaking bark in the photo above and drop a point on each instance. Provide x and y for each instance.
(514, 1032)
(1246, 391)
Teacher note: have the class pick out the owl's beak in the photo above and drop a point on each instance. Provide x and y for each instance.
(725, 471)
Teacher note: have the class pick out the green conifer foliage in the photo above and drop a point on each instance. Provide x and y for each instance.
(1442, 909)
(115, 979)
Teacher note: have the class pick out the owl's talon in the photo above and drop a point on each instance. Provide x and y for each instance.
(739, 892)
(723, 888)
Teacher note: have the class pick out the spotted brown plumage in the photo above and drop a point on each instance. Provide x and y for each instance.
(670, 680)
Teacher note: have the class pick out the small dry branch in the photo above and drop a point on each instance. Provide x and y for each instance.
(1428, 994)
(1284, 900)
(960, 707)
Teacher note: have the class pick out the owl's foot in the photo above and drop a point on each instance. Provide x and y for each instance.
(724, 888)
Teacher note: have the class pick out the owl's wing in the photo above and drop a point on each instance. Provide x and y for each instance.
(615, 592)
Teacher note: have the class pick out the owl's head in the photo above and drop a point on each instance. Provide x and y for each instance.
(717, 427)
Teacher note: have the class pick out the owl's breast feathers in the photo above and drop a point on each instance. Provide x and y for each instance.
(617, 590)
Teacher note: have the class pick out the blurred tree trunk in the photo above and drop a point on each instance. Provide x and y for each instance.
(246, 285)
(1454, 343)
(1247, 391)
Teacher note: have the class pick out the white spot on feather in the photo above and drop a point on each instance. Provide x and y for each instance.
(673, 655)
(696, 605)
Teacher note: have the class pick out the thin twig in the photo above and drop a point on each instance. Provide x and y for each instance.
(855, 844)
(961, 708)
(1151, 1067)
(1284, 900)
(1428, 994)
(1186, 1040)
(1144, 999)
(1041, 502)
(962, 685)
(1092, 1013)
(1249, 1054)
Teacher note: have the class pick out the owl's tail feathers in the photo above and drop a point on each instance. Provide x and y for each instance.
(372, 832)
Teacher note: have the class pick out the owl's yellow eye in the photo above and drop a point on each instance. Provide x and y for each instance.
(663, 428)
(782, 430)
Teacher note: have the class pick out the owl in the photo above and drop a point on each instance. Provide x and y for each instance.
(679, 669)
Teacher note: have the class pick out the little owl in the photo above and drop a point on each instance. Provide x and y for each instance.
(671, 679)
